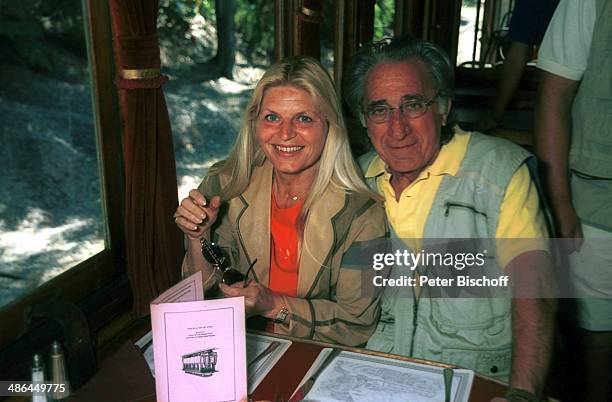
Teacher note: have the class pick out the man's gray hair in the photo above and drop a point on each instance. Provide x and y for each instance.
(401, 49)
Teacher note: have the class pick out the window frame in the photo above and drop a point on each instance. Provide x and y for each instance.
(109, 265)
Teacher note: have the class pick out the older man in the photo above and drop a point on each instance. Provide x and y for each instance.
(438, 183)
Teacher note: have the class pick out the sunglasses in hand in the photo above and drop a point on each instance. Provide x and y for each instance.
(217, 258)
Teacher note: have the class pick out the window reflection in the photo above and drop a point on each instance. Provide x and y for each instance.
(50, 207)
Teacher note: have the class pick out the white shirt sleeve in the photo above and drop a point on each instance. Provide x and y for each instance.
(565, 47)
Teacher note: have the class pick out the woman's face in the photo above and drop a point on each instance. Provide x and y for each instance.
(290, 130)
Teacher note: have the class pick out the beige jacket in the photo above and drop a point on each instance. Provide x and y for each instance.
(335, 300)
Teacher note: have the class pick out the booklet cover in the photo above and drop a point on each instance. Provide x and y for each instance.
(199, 346)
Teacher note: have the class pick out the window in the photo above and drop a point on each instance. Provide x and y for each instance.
(62, 229)
(51, 212)
(483, 29)
(384, 12)
(327, 35)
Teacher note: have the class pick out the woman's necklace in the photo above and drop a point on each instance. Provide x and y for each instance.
(292, 197)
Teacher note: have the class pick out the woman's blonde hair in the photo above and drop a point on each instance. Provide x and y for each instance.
(337, 166)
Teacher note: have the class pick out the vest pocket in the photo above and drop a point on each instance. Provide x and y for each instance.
(494, 363)
(472, 324)
(463, 206)
(469, 314)
(466, 220)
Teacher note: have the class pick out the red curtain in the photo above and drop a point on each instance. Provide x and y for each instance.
(154, 244)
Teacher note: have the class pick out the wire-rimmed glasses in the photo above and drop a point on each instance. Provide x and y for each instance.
(409, 109)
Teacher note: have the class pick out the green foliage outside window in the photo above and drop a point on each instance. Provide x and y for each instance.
(27, 26)
(253, 21)
(384, 10)
(41, 35)
(256, 32)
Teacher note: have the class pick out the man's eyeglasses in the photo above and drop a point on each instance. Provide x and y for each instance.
(408, 109)
(216, 257)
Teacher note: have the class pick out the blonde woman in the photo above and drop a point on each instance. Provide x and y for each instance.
(290, 197)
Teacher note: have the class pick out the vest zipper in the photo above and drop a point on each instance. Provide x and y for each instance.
(415, 314)
(450, 204)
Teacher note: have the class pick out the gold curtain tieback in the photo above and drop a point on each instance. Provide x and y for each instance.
(141, 74)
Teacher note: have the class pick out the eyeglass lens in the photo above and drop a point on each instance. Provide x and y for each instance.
(407, 110)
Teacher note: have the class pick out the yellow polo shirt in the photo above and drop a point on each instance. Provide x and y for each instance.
(520, 215)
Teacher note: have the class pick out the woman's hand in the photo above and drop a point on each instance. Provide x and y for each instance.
(195, 215)
(258, 299)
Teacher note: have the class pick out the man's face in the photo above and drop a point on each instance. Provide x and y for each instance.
(406, 145)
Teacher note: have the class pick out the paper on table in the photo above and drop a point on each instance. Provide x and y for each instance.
(199, 346)
(145, 344)
(257, 344)
(359, 377)
(189, 289)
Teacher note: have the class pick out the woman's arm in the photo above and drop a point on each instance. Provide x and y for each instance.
(350, 319)
(195, 216)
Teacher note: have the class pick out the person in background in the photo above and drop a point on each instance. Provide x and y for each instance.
(290, 196)
(574, 143)
(439, 182)
(527, 27)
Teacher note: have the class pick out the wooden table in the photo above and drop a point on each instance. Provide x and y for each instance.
(124, 375)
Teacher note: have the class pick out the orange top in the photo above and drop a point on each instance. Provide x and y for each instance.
(284, 249)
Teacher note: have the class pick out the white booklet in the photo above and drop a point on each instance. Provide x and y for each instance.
(360, 377)
(199, 345)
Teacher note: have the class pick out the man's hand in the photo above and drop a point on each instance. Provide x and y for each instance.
(569, 227)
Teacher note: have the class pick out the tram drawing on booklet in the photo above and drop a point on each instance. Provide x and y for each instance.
(200, 363)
